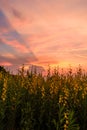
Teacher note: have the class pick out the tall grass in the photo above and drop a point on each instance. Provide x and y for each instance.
(30, 102)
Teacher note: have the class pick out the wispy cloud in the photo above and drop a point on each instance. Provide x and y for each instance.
(55, 30)
(14, 49)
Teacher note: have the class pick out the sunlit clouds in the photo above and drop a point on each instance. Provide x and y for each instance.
(43, 32)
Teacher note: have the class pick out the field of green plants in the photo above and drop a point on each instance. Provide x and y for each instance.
(28, 101)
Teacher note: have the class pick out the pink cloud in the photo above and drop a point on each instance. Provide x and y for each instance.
(5, 63)
(8, 55)
(4, 30)
(18, 46)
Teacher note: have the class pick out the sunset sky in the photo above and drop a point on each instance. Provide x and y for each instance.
(43, 32)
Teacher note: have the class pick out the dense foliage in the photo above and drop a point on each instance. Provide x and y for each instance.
(31, 102)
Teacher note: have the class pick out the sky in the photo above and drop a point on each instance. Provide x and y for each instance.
(43, 32)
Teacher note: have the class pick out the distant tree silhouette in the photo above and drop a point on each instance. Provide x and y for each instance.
(2, 69)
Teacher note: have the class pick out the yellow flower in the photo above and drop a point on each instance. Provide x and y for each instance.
(4, 90)
(67, 122)
(66, 115)
(60, 99)
(65, 126)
